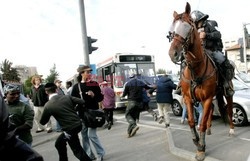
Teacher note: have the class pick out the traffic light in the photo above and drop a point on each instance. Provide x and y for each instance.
(90, 41)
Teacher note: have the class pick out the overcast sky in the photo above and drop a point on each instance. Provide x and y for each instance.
(45, 32)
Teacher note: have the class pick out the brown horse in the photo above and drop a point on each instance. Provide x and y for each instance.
(199, 79)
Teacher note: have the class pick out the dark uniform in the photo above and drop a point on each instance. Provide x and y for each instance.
(213, 44)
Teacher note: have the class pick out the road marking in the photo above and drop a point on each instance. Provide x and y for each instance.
(245, 139)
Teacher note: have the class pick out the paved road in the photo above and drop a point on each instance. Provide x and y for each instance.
(155, 142)
(149, 144)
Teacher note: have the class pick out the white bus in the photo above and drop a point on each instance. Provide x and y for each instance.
(118, 68)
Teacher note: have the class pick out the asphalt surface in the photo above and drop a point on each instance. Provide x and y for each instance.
(173, 143)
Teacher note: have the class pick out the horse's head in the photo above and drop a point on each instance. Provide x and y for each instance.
(181, 34)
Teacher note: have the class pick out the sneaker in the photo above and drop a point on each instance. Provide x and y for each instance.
(92, 158)
(134, 130)
(155, 117)
(161, 119)
(182, 121)
(49, 131)
(99, 159)
(109, 126)
(167, 125)
(39, 130)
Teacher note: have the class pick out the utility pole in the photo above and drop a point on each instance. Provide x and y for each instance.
(84, 33)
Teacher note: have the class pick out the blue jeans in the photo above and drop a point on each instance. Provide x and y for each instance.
(199, 109)
(89, 134)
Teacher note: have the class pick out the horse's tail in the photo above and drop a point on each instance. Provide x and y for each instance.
(221, 105)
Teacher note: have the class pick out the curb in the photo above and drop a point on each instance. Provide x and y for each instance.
(183, 153)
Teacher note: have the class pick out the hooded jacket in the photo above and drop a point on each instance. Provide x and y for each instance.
(165, 88)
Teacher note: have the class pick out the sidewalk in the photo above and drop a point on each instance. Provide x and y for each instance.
(219, 145)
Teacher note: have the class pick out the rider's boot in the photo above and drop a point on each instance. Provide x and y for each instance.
(228, 88)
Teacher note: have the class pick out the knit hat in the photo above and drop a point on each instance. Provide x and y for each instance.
(10, 88)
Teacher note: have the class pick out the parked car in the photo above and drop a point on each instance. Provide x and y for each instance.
(241, 104)
(243, 77)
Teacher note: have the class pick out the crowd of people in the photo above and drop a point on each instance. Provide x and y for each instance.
(17, 115)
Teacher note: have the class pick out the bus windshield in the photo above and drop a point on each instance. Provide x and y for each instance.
(124, 71)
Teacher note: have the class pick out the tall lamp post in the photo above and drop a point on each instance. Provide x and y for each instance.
(244, 45)
(84, 33)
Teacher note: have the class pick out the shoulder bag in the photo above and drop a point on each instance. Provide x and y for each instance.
(91, 118)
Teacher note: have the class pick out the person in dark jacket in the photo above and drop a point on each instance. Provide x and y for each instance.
(134, 90)
(164, 98)
(91, 93)
(39, 98)
(12, 148)
(62, 108)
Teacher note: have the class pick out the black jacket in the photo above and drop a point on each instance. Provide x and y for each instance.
(213, 40)
(90, 103)
(38, 96)
(134, 89)
(62, 108)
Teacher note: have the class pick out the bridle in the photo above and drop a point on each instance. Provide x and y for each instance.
(192, 64)
(185, 42)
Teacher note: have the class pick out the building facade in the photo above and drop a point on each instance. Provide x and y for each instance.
(235, 52)
(25, 72)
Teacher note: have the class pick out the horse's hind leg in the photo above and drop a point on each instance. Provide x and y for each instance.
(229, 107)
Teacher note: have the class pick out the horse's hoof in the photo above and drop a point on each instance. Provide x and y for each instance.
(200, 156)
(209, 131)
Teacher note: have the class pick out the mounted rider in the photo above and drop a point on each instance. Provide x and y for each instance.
(211, 40)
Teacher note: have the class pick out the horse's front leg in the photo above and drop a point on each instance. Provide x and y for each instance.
(200, 155)
(191, 123)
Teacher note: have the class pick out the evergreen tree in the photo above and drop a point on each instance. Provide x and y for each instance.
(10, 74)
(27, 86)
(53, 75)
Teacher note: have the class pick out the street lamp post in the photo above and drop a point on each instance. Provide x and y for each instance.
(84, 33)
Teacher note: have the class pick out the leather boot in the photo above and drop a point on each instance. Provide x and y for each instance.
(228, 89)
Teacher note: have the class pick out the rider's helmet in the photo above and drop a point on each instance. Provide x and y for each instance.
(198, 16)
